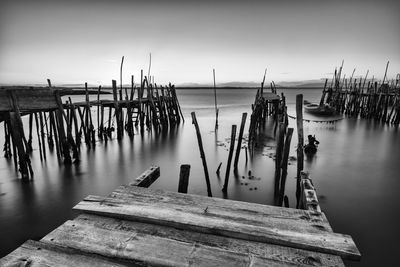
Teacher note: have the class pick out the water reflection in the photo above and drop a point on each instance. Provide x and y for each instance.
(355, 169)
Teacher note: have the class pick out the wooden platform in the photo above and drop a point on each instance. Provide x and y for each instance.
(140, 226)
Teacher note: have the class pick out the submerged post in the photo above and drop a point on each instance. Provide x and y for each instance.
(300, 144)
(202, 155)
(238, 148)
(215, 102)
(284, 164)
(184, 178)
(228, 165)
(278, 160)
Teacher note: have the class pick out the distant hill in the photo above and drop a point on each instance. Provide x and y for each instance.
(284, 84)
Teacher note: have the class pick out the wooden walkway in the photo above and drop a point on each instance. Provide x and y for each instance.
(137, 226)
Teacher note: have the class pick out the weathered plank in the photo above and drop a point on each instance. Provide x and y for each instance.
(160, 245)
(147, 177)
(308, 200)
(273, 225)
(35, 254)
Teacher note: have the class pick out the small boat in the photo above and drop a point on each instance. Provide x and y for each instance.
(315, 109)
(310, 149)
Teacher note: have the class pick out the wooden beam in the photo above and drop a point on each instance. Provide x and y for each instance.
(147, 178)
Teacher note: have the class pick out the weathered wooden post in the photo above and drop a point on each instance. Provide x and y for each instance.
(284, 164)
(300, 144)
(117, 111)
(228, 165)
(239, 144)
(184, 178)
(278, 159)
(202, 155)
(215, 102)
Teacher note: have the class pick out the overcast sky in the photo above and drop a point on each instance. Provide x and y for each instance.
(83, 41)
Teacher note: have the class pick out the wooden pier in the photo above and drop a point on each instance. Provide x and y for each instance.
(62, 125)
(371, 99)
(138, 226)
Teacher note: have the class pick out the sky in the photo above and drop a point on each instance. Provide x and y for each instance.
(83, 41)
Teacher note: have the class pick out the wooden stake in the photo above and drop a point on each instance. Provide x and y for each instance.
(300, 144)
(239, 144)
(278, 159)
(42, 134)
(184, 178)
(228, 165)
(284, 164)
(202, 155)
(215, 102)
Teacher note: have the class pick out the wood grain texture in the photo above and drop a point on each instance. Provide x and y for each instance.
(147, 177)
(281, 226)
(38, 254)
(160, 245)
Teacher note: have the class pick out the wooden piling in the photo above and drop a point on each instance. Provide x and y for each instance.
(215, 102)
(184, 178)
(284, 164)
(228, 165)
(42, 134)
(239, 144)
(300, 144)
(118, 114)
(278, 159)
(202, 155)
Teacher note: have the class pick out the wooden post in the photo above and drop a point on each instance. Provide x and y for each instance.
(278, 159)
(228, 165)
(7, 143)
(117, 111)
(101, 126)
(239, 144)
(60, 115)
(42, 134)
(300, 144)
(98, 111)
(29, 147)
(184, 178)
(120, 78)
(53, 125)
(132, 87)
(286, 201)
(202, 155)
(284, 164)
(215, 102)
(38, 136)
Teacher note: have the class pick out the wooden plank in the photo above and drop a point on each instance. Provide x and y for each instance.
(160, 245)
(35, 254)
(147, 177)
(279, 226)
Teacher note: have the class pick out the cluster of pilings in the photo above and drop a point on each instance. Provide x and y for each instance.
(364, 98)
(270, 104)
(266, 104)
(62, 126)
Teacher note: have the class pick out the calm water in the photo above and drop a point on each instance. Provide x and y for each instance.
(356, 172)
